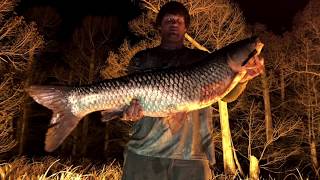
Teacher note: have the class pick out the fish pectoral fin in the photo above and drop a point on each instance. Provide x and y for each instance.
(108, 115)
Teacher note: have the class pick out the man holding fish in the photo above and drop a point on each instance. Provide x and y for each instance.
(179, 146)
(167, 94)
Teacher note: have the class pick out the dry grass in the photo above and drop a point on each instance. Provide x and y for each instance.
(52, 168)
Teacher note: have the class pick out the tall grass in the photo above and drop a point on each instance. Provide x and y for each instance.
(55, 169)
(50, 168)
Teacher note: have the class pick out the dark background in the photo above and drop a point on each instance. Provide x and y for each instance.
(277, 15)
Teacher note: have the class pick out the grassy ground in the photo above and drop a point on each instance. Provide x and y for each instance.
(50, 168)
(55, 169)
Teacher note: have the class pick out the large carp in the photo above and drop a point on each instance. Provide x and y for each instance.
(160, 92)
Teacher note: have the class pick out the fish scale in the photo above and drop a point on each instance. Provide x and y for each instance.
(160, 92)
(179, 88)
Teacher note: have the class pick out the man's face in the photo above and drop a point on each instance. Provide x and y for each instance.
(173, 28)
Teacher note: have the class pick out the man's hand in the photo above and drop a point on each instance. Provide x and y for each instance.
(133, 112)
(254, 68)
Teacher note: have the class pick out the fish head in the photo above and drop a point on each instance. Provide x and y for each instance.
(241, 52)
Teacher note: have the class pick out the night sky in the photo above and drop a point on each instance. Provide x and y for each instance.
(277, 15)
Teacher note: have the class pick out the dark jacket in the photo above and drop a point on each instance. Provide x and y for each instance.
(178, 137)
(186, 137)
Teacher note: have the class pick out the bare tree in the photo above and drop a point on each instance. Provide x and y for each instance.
(118, 60)
(48, 22)
(292, 66)
(19, 42)
(47, 19)
(306, 69)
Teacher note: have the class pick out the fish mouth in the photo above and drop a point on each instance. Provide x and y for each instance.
(255, 52)
(259, 47)
(257, 44)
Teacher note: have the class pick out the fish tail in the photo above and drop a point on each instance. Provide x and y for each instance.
(63, 121)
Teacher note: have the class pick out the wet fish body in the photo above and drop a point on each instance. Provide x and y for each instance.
(160, 92)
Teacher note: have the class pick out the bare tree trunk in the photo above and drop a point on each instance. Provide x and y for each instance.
(84, 135)
(228, 160)
(237, 161)
(75, 142)
(195, 43)
(313, 155)
(85, 125)
(23, 126)
(23, 123)
(267, 107)
(106, 139)
(282, 85)
(254, 168)
(311, 134)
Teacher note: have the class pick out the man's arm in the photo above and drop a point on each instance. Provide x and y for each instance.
(235, 92)
(254, 68)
